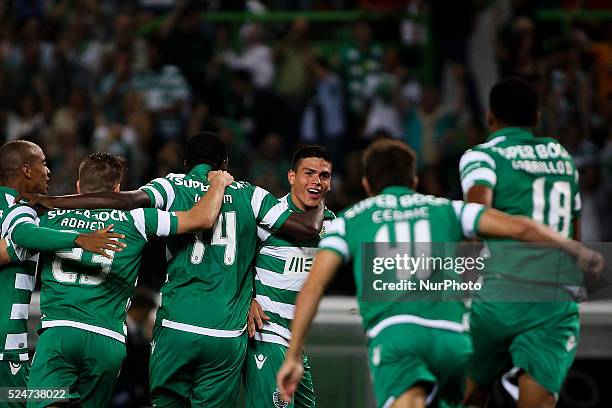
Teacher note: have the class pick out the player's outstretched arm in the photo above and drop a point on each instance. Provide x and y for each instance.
(494, 223)
(306, 225)
(33, 237)
(203, 215)
(123, 200)
(324, 267)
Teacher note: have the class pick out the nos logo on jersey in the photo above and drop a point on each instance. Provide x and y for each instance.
(298, 264)
(279, 402)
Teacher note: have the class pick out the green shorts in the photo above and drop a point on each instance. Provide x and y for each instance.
(195, 370)
(14, 375)
(86, 364)
(538, 338)
(404, 355)
(262, 363)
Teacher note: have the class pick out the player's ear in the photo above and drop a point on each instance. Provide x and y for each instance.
(415, 182)
(225, 164)
(26, 171)
(366, 186)
(291, 177)
(117, 188)
(491, 122)
(537, 118)
(78, 186)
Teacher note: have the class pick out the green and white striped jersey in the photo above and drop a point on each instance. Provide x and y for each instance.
(400, 215)
(88, 291)
(209, 285)
(281, 268)
(530, 176)
(17, 280)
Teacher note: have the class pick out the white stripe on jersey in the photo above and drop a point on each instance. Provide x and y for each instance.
(577, 202)
(83, 326)
(257, 199)
(286, 252)
(290, 281)
(270, 338)
(403, 319)
(159, 200)
(282, 309)
(273, 214)
(202, 330)
(468, 219)
(481, 173)
(466, 215)
(472, 156)
(12, 213)
(139, 221)
(278, 329)
(493, 142)
(163, 223)
(25, 282)
(16, 341)
(337, 243)
(336, 226)
(169, 191)
(19, 311)
(263, 233)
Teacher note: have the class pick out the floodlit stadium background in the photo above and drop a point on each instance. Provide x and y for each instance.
(76, 77)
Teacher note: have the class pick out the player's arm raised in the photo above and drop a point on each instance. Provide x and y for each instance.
(123, 200)
(494, 223)
(324, 267)
(204, 214)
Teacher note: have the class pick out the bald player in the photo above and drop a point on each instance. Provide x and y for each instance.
(23, 169)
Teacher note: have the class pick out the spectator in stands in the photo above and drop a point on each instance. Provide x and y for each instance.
(291, 56)
(428, 125)
(256, 57)
(270, 164)
(115, 85)
(256, 109)
(166, 93)
(324, 120)
(359, 61)
(27, 121)
(186, 44)
(383, 98)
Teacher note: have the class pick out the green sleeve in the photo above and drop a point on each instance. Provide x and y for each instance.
(30, 236)
(161, 193)
(150, 221)
(269, 212)
(335, 239)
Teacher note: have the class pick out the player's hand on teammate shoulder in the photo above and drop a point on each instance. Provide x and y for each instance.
(101, 241)
(220, 178)
(288, 377)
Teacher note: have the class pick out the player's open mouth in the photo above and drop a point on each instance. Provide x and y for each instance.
(313, 193)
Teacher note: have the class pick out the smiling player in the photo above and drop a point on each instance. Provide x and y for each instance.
(281, 268)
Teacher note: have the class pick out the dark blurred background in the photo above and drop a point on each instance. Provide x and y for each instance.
(136, 77)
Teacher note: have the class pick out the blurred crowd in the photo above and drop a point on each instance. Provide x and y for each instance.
(137, 77)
